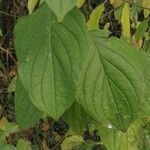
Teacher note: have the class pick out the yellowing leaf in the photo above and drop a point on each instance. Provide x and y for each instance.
(137, 44)
(92, 24)
(146, 4)
(116, 3)
(3, 123)
(79, 3)
(125, 21)
(112, 1)
(31, 5)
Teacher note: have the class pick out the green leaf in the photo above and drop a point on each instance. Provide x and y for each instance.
(50, 57)
(146, 47)
(93, 22)
(12, 85)
(145, 103)
(118, 13)
(5, 146)
(9, 147)
(31, 5)
(61, 7)
(23, 145)
(140, 31)
(6, 129)
(111, 83)
(26, 113)
(72, 142)
(76, 118)
(76, 142)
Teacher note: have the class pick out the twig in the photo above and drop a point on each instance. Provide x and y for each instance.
(1, 12)
(132, 3)
(6, 51)
(111, 11)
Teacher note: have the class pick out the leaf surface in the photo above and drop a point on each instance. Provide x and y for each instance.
(61, 7)
(118, 140)
(50, 57)
(93, 22)
(76, 118)
(125, 21)
(111, 83)
(26, 113)
(140, 31)
(23, 145)
(79, 3)
(31, 5)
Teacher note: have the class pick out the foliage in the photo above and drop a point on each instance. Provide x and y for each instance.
(69, 68)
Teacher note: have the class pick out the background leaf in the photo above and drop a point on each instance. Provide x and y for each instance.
(76, 118)
(31, 5)
(23, 145)
(60, 7)
(72, 142)
(118, 140)
(93, 22)
(140, 31)
(79, 3)
(125, 21)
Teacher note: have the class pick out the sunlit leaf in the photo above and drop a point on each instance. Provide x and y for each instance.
(125, 21)
(116, 3)
(31, 5)
(146, 4)
(79, 3)
(93, 22)
(3, 123)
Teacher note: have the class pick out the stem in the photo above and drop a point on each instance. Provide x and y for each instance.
(132, 3)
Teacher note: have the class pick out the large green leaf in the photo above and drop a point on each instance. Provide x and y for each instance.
(61, 7)
(26, 113)
(50, 55)
(111, 83)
